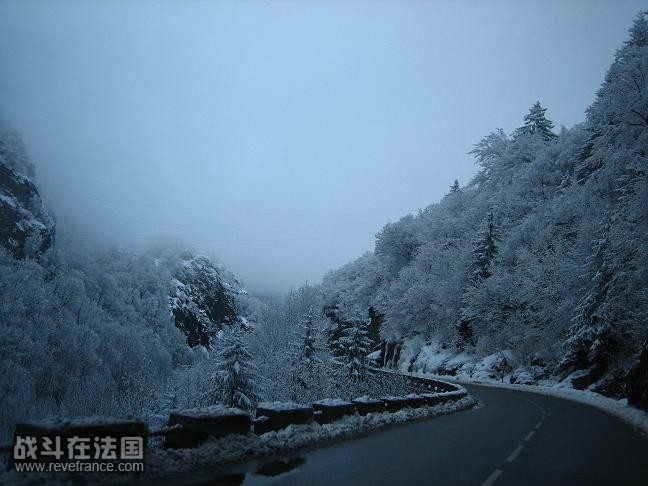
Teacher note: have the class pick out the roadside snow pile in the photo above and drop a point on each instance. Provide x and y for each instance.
(237, 447)
(494, 366)
(435, 359)
(503, 369)
(619, 408)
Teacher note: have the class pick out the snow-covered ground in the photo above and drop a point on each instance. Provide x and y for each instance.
(499, 369)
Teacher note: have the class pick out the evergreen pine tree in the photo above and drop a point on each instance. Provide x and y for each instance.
(356, 345)
(484, 251)
(536, 122)
(485, 248)
(639, 31)
(591, 339)
(455, 188)
(307, 355)
(308, 371)
(465, 333)
(236, 372)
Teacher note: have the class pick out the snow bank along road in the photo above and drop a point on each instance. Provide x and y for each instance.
(516, 438)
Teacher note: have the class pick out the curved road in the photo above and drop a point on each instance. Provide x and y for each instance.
(514, 438)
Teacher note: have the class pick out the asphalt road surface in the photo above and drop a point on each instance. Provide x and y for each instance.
(514, 438)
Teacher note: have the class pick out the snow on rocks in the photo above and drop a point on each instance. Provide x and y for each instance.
(81, 426)
(366, 405)
(415, 401)
(503, 369)
(278, 415)
(394, 404)
(197, 425)
(329, 410)
(237, 447)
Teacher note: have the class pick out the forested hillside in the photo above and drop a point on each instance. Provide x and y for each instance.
(98, 330)
(543, 256)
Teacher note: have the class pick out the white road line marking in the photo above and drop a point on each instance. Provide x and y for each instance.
(529, 435)
(514, 454)
(490, 480)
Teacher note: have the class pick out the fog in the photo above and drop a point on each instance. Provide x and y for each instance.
(280, 136)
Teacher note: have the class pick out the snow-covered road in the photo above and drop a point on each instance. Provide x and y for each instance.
(514, 438)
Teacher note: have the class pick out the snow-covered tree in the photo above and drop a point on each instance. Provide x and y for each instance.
(236, 373)
(488, 152)
(356, 345)
(307, 345)
(397, 243)
(311, 361)
(465, 333)
(536, 122)
(455, 187)
(520, 285)
(591, 339)
(484, 251)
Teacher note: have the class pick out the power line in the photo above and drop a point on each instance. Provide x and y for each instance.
(190, 225)
(145, 223)
(205, 240)
(190, 208)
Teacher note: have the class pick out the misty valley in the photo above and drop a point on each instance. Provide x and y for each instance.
(511, 301)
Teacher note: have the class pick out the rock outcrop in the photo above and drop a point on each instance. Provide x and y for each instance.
(202, 299)
(26, 227)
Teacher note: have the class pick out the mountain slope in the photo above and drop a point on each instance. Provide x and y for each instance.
(543, 255)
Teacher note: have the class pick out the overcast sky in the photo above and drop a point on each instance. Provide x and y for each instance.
(281, 136)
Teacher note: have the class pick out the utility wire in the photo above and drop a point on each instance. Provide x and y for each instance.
(203, 240)
(189, 208)
(190, 225)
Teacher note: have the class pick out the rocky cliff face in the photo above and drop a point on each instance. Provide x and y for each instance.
(26, 227)
(203, 298)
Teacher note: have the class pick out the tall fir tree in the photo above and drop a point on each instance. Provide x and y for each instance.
(638, 31)
(308, 342)
(484, 251)
(240, 383)
(305, 360)
(465, 333)
(536, 122)
(356, 345)
(591, 340)
(455, 187)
